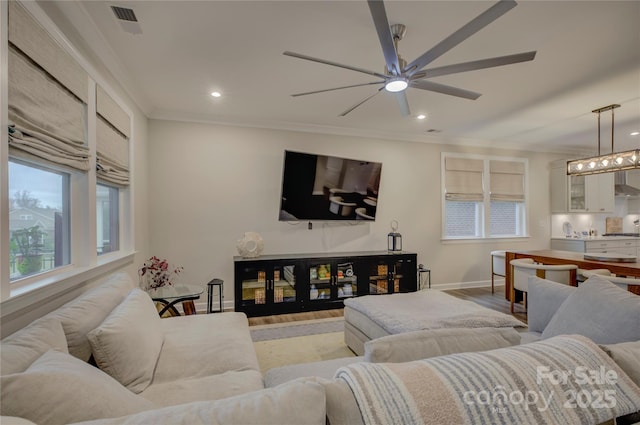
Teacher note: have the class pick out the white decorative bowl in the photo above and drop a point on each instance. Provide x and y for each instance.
(250, 245)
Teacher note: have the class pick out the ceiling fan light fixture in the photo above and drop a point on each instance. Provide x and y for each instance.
(396, 84)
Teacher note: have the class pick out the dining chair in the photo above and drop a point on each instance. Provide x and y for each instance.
(523, 268)
(620, 281)
(584, 274)
(497, 266)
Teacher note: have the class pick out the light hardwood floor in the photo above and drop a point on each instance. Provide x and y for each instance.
(482, 296)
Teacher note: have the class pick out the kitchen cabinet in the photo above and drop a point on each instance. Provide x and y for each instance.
(592, 194)
(618, 246)
(276, 284)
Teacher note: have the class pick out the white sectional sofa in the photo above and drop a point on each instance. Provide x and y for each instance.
(203, 369)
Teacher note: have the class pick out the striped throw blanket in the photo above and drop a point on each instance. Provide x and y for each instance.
(562, 380)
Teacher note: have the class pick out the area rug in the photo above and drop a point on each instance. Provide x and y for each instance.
(299, 342)
(294, 329)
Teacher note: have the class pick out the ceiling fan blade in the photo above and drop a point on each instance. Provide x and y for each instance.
(337, 88)
(360, 103)
(326, 62)
(444, 89)
(479, 64)
(475, 25)
(381, 22)
(403, 103)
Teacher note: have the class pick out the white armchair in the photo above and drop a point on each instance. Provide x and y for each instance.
(523, 268)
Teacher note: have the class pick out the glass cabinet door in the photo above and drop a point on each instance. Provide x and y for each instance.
(265, 284)
(320, 280)
(254, 285)
(378, 273)
(332, 280)
(403, 275)
(346, 281)
(577, 193)
(284, 283)
(391, 276)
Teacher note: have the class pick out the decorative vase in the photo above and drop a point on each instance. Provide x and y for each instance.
(313, 293)
(250, 245)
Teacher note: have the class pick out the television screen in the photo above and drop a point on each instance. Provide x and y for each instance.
(320, 187)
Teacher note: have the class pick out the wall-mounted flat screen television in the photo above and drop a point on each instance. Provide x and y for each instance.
(321, 187)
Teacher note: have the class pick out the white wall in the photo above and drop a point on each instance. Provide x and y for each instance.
(208, 184)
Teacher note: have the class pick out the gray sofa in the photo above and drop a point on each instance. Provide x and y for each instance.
(203, 370)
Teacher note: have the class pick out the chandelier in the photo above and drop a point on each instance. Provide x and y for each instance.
(607, 163)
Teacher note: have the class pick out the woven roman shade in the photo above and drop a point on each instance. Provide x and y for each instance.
(507, 181)
(463, 179)
(47, 95)
(113, 130)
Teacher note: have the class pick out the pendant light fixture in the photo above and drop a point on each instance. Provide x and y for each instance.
(608, 163)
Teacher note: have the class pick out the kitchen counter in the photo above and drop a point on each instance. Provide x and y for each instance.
(629, 245)
(596, 238)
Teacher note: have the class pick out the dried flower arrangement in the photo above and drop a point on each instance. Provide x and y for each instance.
(156, 273)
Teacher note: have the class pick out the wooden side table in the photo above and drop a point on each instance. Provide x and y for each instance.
(219, 283)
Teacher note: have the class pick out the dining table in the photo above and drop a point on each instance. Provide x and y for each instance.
(555, 257)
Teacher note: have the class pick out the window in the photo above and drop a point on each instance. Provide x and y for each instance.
(107, 221)
(66, 150)
(38, 219)
(483, 197)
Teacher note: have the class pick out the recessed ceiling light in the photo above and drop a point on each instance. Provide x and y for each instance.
(635, 133)
(216, 94)
(421, 116)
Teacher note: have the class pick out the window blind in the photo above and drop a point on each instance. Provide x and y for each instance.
(506, 181)
(463, 179)
(113, 130)
(47, 91)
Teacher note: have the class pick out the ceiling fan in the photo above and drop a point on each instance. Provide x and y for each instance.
(399, 75)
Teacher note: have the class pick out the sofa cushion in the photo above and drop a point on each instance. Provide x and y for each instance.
(424, 344)
(212, 387)
(223, 340)
(300, 402)
(342, 407)
(60, 389)
(86, 312)
(127, 344)
(20, 349)
(599, 310)
(627, 356)
(543, 300)
(322, 369)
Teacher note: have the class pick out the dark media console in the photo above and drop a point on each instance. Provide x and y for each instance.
(277, 284)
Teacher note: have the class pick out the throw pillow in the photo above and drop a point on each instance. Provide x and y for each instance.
(627, 356)
(417, 345)
(128, 343)
(544, 297)
(86, 312)
(599, 310)
(25, 346)
(60, 389)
